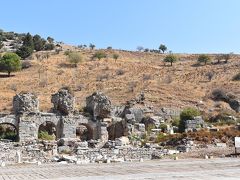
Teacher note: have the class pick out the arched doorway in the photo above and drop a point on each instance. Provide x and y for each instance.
(8, 132)
(84, 132)
(47, 131)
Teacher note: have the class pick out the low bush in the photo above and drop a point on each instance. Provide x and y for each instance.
(45, 136)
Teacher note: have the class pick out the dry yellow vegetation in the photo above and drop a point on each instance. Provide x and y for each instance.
(181, 85)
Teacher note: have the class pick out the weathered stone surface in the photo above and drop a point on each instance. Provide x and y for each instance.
(137, 113)
(63, 102)
(122, 141)
(153, 121)
(25, 103)
(116, 130)
(140, 127)
(168, 113)
(194, 124)
(99, 105)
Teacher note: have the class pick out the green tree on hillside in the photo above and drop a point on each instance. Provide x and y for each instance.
(99, 55)
(27, 48)
(10, 62)
(170, 58)
(38, 42)
(204, 59)
(28, 41)
(50, 39)
(162, 48)
(91, 46)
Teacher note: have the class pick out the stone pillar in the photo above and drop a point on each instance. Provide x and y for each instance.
(69, 127)
(18, 157)
(104, 132)
(28, 129)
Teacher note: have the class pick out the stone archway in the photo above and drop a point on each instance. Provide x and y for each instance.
(10, 127)
(9, 131)
(84, 132)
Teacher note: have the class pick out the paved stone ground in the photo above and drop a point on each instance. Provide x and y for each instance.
(228, 168)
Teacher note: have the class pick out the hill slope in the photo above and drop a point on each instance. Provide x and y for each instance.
(179, 86)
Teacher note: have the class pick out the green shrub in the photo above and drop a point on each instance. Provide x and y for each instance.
(187, 114)
(170, 58)
(176, 121)
(75, 58)
(163, 127)
(99, 55)
(45, 136)
(204, 59)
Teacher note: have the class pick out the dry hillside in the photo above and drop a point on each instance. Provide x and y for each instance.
(183, 84)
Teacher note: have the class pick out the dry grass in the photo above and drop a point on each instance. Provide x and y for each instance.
(164, 86)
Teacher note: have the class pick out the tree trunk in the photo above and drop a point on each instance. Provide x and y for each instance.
(171, 63)
(9, 73)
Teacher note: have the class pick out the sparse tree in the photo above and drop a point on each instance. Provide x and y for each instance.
(162, 48)
(170, 58)
(49, 46)
(38, 42)
(50, 39)
(146, 50)
(10, 62)
(226, 57)
(203, 58)
(75, 58)
(27, 48)
(219, 57)
(140, 48)
(92, 46)
(115, 57)
(99, 55)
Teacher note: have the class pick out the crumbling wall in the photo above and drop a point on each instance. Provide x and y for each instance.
(63, 102)
(25, 103)
(99, 105)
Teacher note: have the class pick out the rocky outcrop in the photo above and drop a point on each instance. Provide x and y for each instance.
(63, 101)
(99, 105)
(235, 105)
(25, 103)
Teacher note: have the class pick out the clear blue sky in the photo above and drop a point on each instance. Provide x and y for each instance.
(194, 26)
